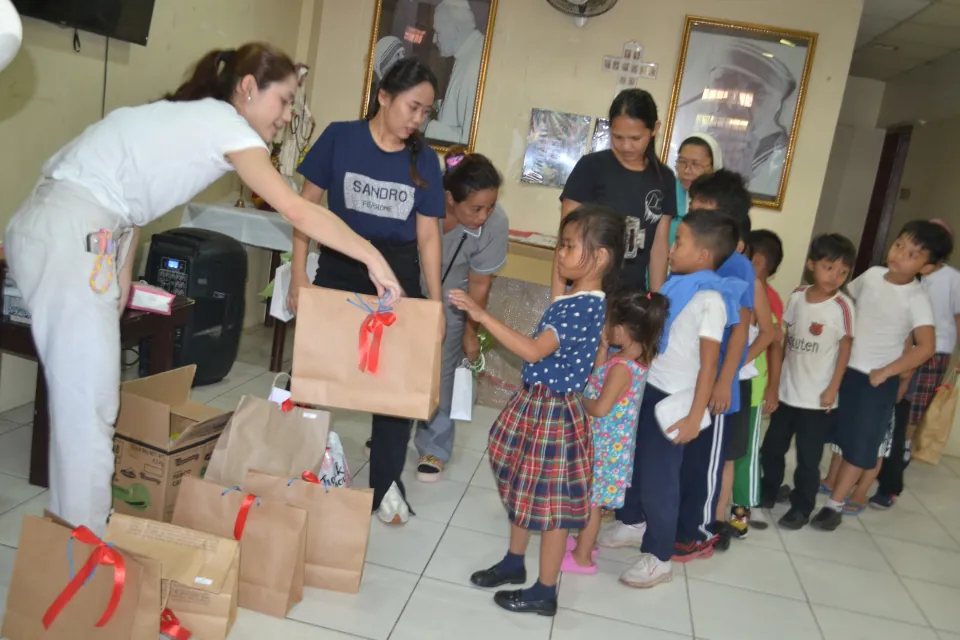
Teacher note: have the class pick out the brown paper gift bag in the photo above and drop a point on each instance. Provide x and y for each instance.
(401, 379)
(934, 431)
(338, 526)
(67, 584)
(272, 539)
(261, 435)
(200, 571)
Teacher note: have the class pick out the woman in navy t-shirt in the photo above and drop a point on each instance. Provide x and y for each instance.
(631, 180)
(383, 180)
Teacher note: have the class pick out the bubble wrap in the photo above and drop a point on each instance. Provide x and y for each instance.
(520, 305)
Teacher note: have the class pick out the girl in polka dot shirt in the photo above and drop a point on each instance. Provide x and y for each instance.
(540, 446)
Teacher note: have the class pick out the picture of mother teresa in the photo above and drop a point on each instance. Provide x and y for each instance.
(743, 92)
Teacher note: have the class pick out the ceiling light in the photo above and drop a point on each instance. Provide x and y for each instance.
(787, 43)
(767, 55)
(884, 47)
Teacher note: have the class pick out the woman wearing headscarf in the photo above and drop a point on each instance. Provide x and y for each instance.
(699, 154)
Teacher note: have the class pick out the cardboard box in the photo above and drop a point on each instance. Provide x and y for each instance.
(161, 436)
(201, 572)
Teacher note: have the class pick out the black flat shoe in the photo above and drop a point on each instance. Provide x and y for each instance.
(513, 601)
(827, 520)
(793, 520)
(492, 578)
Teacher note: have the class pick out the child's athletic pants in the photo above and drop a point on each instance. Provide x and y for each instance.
(77, 334)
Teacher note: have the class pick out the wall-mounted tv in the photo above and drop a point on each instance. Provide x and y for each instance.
(127, 20)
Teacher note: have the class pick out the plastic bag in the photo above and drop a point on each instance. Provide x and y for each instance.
(334, 471)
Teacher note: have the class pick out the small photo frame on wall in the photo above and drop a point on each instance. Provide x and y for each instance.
(745, 85)
(453, 38)
(555, 142)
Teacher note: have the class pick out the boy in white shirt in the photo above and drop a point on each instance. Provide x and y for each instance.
(702, 306)
(943, 287)
(819, 334)
(891, 305)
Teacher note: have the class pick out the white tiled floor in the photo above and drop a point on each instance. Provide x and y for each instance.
(880, 576)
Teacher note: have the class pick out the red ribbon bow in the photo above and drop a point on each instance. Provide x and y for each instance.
(371, 331)
(287, 405)
(309, 476)
(101, 555)
(242, 515)
(170, 626)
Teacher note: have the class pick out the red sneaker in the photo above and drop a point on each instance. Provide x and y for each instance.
(685, 552)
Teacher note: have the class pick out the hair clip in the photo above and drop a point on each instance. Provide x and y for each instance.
(649, 295)
(453, 161)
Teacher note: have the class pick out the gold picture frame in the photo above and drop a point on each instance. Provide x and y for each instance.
(746, 85)
(413, 31)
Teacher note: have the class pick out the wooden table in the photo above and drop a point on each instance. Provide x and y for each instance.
(136, 327)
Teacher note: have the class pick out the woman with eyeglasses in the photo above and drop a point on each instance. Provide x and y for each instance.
(699, 154)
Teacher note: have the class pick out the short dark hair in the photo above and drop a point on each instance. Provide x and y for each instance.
(931, 237)
(767, 244)
(729, 190)
(832, 247)
(717, 234)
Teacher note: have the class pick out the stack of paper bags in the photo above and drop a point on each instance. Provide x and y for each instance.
(200, 571)
(68, 584)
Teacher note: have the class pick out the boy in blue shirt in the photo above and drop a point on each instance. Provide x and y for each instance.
(709, 467)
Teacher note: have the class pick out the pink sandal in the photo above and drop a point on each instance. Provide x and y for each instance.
(570, 565)
(572, 544)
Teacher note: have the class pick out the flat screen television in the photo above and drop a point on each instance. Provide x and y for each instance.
(127, 20)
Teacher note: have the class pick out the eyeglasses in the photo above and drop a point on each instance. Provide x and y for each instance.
(694, 166)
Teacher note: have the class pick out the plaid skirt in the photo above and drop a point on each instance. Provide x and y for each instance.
(541, 454)
(925, 383)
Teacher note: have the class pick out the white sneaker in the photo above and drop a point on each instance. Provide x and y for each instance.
(393, 508)
(648, 572)
(620, 535)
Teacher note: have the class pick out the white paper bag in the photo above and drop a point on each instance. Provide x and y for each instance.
(281, 287)
(461, 405)
(675, 408)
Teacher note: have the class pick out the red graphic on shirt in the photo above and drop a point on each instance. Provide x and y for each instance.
(816, 328)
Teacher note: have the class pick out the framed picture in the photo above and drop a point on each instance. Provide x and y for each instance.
(453, 38)
(745, 85)
(555, 142)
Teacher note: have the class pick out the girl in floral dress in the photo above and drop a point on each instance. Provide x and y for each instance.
(635, 321)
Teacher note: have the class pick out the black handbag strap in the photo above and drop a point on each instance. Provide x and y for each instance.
(463, 239)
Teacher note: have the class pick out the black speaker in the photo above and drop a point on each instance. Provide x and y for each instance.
(210, 268)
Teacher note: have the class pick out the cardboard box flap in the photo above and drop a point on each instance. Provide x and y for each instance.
(206, 424)
(144, 420)
(190, 558)
(172, 388)
(198, 412)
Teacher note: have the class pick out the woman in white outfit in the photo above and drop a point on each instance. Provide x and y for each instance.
(68, 247)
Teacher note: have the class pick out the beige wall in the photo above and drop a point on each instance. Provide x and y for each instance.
(49, 94)
(931, 177)
(540, 59)
(854, 157)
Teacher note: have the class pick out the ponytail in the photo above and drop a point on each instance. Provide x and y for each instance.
(218, 73)
(403, 75)
(466, 173)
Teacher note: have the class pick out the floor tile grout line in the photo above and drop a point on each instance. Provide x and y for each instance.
(774, 524)
(900, 579)
(433, 553)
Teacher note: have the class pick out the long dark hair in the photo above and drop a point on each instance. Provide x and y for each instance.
(638, 104)
(403, 75)
(218, 73)
(643, 315)
(600, 228)
(466, 173)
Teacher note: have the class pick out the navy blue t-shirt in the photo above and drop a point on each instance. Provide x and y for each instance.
(371, 189)
(737, 266)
